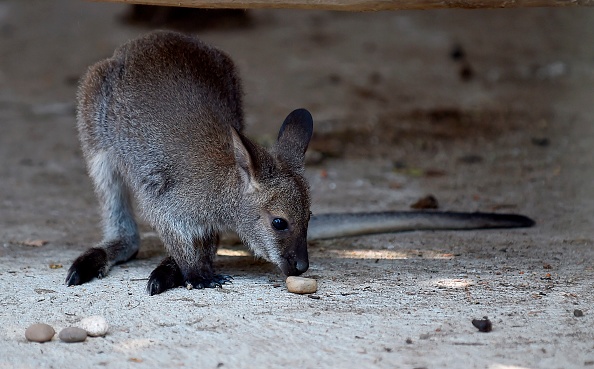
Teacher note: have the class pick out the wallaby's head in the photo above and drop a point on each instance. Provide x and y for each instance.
(273, 215)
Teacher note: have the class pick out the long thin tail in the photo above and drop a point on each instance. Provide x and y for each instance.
(356, 224)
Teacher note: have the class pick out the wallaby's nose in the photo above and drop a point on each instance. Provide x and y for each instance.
(302, 266)
(294, 267)
(295, 261)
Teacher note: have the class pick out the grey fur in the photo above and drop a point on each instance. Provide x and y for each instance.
(324, 226)
(162, 121)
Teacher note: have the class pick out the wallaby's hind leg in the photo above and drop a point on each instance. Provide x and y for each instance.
(190, 266)
(120, 233)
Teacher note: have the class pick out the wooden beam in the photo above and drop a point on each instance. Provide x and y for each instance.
(359, 5)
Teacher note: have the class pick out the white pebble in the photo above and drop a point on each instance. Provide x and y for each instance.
(301, 285)
(94, 325)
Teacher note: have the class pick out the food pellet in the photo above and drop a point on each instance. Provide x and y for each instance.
(301, 285)
(39, 332)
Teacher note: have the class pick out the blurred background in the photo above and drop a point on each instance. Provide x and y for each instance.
(488, 110)
(451, 102)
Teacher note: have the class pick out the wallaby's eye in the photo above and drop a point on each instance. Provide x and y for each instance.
(280, 224)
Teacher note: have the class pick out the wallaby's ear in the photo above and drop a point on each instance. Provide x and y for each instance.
(293, 138)
(244, 161)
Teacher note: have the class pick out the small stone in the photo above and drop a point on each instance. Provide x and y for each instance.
(470, 159)
(483, 325)
(457, 53)
(466, 72)
(94, 325)
(301, 285)
(578, 313)
(73, 334)
(39, 332)
(541, 141)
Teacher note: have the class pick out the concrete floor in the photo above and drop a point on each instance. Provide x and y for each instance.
(396, 118)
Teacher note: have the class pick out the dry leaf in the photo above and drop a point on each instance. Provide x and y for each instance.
(34, 243)
(427, 202)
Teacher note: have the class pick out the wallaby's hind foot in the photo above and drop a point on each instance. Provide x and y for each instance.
(168, 275)
(95, 262)
(91, 264)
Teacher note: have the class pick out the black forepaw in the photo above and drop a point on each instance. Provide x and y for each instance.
(92, 264)
(168, 275)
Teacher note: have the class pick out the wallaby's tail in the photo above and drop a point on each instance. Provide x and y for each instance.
(355, 224)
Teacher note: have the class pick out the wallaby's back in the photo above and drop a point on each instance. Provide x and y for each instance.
(162, 108)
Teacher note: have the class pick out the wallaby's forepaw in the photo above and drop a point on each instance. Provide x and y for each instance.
(168, 275)
(92, 264)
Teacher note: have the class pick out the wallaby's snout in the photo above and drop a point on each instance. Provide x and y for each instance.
(296, 261)
(276, 195)
(294, 268)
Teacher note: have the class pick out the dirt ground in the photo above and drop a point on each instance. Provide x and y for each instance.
(486, 110)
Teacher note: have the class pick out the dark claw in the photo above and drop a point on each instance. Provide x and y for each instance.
(168, 275)
(72, 278)
(223, 279)
(217, 281)
(155, 286)
(92, 264)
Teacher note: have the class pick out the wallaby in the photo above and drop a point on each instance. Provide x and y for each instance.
(161, 121)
